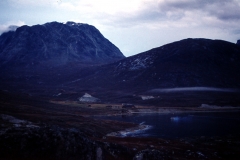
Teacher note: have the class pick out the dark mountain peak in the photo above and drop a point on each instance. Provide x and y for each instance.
(187, 51)
(57, 43)
(196, 43)
(238, 42)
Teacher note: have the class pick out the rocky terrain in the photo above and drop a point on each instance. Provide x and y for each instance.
(34, 128)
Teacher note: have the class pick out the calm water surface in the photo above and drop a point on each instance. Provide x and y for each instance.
(185, 124)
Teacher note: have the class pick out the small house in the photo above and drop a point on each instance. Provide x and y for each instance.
(87, 98)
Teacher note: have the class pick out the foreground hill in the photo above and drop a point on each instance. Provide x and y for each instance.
(33, 128)
(186, 63)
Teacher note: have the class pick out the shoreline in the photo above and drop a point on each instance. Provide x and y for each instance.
(173, 110)
(167, 110)
(178, 111)
(126, 132)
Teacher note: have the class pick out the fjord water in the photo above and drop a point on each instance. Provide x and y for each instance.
(184, 124)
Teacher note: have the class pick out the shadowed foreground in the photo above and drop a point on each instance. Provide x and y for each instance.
(34, 128)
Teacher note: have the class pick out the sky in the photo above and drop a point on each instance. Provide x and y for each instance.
(134, 26)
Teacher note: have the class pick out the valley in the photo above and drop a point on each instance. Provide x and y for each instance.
(67, 92)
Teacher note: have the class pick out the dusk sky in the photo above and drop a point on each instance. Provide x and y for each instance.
(134, 26)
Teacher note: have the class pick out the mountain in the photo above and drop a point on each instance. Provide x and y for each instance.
(186, 63)
(56, 44)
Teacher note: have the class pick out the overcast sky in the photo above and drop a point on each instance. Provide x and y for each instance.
(133, 26)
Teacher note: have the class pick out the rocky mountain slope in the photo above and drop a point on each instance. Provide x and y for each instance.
(56, 44)
(186, 63)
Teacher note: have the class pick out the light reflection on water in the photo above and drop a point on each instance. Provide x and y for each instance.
(184, 125)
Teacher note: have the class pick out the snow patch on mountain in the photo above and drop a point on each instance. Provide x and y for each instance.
(137, 63)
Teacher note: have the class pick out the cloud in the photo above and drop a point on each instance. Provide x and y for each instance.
(10, 26)
(221, 9)
(31, 3)
(163, 21)
(226, 11)
(152, 13)
(223, 14)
